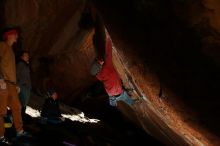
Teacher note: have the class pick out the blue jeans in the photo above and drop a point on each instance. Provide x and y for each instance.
(24, 95)
(123, 97)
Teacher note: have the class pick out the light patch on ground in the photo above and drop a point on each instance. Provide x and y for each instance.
(73, 117)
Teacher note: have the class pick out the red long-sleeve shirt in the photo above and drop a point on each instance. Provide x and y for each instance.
(108, 75)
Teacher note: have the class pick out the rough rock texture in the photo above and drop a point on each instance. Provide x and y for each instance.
(177, 76)
(169, 49)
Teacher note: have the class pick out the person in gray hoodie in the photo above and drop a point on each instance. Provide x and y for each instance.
(24, 80)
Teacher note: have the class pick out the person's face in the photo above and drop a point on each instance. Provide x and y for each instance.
(25, 57)
(54, 95)
(12, 37)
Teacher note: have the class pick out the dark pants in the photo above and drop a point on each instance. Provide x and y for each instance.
(24, 96)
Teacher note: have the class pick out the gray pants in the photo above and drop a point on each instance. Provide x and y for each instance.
(24, 95)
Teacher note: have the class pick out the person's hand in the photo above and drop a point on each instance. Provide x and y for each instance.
(101, 61)
(2, 84)
(18, 89)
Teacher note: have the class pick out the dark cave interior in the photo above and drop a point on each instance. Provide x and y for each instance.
(175, 41)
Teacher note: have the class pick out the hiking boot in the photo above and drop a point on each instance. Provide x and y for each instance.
(4, 142)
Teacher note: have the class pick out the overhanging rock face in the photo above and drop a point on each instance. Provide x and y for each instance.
(166, 51)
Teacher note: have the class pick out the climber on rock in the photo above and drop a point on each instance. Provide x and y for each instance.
(105, 72)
